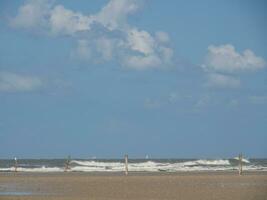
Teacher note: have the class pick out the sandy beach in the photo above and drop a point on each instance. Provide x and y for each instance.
(143, 186)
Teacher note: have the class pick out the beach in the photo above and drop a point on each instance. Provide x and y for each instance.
(143, 186)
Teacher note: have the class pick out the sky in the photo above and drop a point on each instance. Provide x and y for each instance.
(175, 79)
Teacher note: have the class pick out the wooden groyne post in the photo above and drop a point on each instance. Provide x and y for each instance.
(126, 164)
(67, 164)
(15, 164)
(240, 164)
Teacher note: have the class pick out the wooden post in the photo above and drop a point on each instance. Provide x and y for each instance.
(126, 164)
(15, 165)
(240, 170)
(67, 164)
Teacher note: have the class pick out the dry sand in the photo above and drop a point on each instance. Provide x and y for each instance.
(143, 186)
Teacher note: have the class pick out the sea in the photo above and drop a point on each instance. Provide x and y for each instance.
(134, 165)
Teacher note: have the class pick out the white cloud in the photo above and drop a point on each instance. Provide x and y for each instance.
(10, 82)
(105, 35)
(222, 81)
(64, 21)
(141, 41)
(225, 58)
(114, 14)
(151, 53)
(32, 14)
(223, 64)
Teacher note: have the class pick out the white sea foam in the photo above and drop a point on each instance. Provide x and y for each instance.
(207, 162)
(147, 166)
(244, 160)
(152, 166)
(36, 169)
(98, 164)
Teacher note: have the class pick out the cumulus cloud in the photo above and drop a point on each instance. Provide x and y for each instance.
(64, 21)
(11, 82)
(114, 15)
(223, 64)
(222, 81)
(225, 58)
(141, 41)
(106, 35)
(32, 14)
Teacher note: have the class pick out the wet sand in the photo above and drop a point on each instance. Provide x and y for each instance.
(143, 186)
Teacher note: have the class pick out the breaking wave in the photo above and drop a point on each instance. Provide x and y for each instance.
(36, 169)
(141, 166)
(243, 160)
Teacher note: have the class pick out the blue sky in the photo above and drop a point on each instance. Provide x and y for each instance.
(104, 78)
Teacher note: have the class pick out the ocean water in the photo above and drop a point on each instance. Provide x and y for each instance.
(134, 165)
